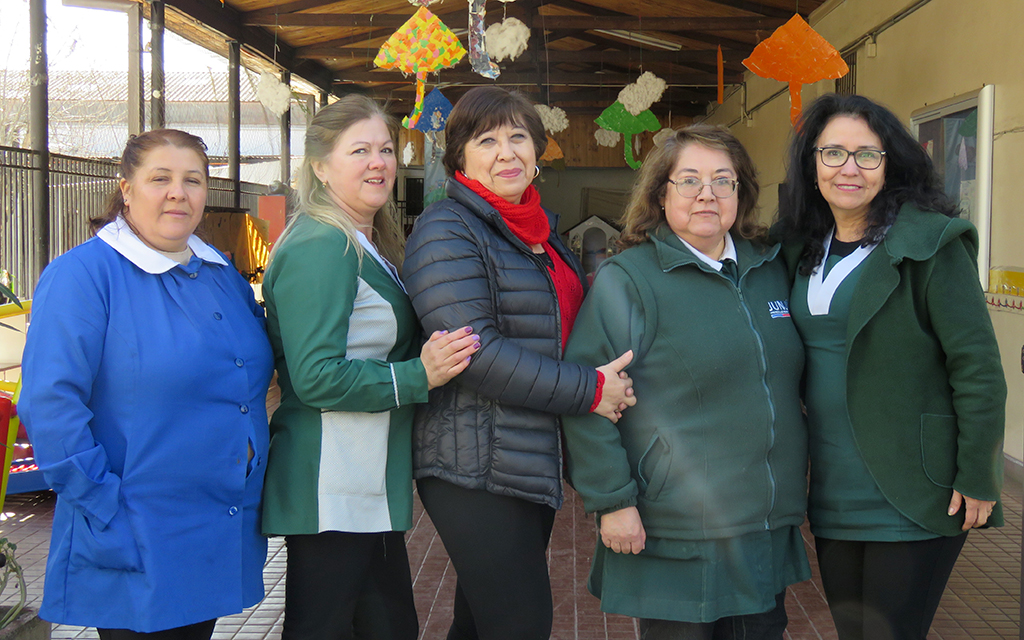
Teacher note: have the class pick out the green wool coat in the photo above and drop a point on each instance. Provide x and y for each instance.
(925, 386)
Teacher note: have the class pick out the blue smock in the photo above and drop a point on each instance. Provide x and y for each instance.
(145, 385)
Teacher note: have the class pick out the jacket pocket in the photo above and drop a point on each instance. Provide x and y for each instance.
(113, 547)
(653, 466)
(939, 448)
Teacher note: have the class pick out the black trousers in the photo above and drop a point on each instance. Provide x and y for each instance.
(498, 546)
(770, 625)
(348, 586)
(197, 631)
(885, 590)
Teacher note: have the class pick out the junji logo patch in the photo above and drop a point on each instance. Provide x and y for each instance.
(779, 308)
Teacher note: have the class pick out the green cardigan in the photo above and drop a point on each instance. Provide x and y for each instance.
(925, 387)
(346, 341)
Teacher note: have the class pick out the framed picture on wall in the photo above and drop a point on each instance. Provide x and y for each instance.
(957, 135)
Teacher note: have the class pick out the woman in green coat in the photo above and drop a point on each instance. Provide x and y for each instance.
(700, 489)
(905, 392)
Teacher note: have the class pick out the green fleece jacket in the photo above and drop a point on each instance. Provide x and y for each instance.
(925, 386)
(716, 445)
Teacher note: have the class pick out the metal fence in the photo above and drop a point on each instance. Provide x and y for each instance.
(79, 188)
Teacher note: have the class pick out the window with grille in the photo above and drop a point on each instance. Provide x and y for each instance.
(847, 85)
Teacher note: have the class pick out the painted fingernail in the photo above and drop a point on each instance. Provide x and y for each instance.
(476, 338)
(469, 329)
(468, 358)
(476, 345)
(444, 332)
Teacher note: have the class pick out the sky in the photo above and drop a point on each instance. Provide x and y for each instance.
(90, 39)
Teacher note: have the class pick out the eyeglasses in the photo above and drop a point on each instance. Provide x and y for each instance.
(691, 187)
(837, 157)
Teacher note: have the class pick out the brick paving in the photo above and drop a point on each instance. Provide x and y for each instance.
(982, 600)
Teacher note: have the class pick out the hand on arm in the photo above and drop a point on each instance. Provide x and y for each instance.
(623, 532)
(977, 511)
(617, 392)
(446, 355)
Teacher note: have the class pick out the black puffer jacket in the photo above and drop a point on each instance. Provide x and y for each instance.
(496, 425)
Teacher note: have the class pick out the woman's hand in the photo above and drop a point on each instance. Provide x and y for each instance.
(978, 511)
(446, 355)
(617, 392)
(622, 531)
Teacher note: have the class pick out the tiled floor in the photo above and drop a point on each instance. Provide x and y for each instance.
(982, 600)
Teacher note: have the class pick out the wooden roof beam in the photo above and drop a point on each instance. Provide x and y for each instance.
(571, 23)
(552, 78)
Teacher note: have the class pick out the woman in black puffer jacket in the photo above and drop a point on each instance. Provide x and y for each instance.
(487, 447)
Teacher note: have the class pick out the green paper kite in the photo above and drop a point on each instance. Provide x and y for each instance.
(617, 118)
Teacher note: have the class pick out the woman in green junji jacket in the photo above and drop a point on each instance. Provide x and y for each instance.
(701, 488)
(905, 392)
(346, 341)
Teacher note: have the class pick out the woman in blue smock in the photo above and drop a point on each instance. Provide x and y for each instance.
(145, 377)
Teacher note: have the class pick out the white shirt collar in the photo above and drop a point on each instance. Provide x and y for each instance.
(729, 252)
(123, 240)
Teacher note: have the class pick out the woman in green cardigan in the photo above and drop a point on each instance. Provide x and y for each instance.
(904, 388)
(351, 368)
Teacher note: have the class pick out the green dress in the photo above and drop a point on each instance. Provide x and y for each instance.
(845, 502)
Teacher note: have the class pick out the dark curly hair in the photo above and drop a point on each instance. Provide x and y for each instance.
(804, 215)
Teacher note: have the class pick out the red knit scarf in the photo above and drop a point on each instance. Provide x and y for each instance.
(526, 220)
(529, 223)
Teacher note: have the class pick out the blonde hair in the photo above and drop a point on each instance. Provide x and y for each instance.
(314, 201)
(644, 213)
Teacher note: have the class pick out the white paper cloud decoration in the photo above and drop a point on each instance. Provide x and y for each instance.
(273, 94)
(506, 39)
(640, 95)
(606, 138)
(554, 118)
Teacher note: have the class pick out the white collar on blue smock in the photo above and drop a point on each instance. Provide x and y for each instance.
(123, 240)
(729, 252)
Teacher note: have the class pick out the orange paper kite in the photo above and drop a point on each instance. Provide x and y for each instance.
(553, 151)
(796, 54)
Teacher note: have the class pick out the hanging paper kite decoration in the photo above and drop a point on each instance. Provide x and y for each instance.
(554, 120)
(435, 112)
(796, 54)
(720, 62)
(420, 46)
(477, 50)
(630, 114)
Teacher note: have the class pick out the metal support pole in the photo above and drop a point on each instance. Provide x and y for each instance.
(234, 119)
(136, 88)
(286, 135)
(39, 123)
(156, 23)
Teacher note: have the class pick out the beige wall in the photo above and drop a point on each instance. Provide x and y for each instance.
(944, 49)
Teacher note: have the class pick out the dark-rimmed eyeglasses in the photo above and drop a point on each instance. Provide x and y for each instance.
(691, 187)
(863, 158)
